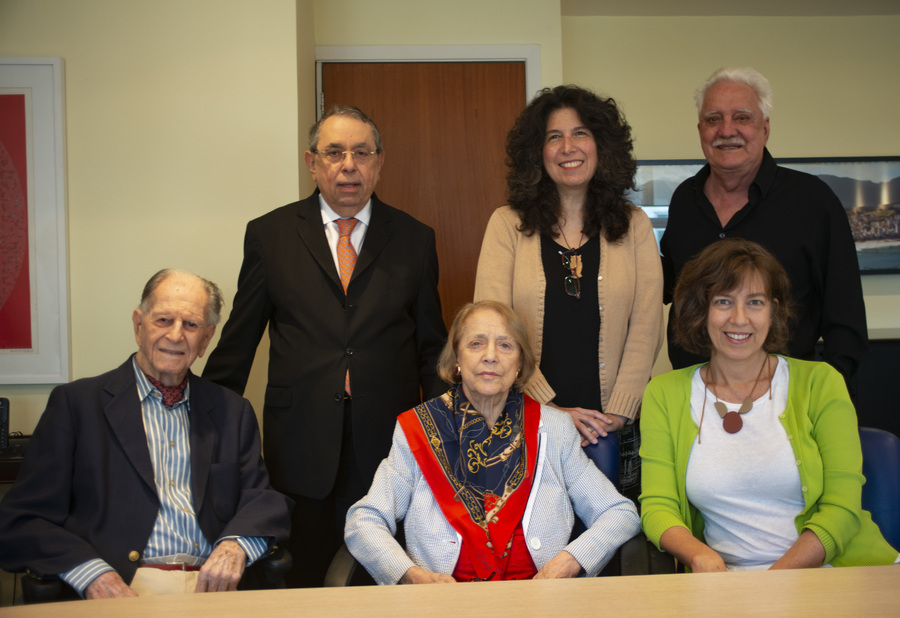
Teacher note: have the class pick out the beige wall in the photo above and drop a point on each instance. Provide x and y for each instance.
(461, 22)
(836, 79)
(182, 125)
(183, 117)
(836, 82)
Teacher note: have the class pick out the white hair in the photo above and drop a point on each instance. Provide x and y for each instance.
(741, 75)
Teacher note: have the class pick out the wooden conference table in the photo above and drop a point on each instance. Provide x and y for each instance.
(857, 591)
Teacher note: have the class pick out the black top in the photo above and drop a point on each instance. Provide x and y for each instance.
(570, 360)
(800, 220)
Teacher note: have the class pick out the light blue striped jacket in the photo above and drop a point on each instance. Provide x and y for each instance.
(566, 483)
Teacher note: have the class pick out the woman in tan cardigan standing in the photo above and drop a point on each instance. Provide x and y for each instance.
(577, 261)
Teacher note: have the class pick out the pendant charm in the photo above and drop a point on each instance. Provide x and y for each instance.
(721, 409)
(732, 422)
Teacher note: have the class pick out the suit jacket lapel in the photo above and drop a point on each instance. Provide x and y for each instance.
(202, 441)
(123, 413)
(377, 236)
(312, 234)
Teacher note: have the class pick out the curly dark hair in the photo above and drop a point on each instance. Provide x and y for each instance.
(720, 268)
(531, 191)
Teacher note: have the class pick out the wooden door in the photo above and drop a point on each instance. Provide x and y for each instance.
(443, 127)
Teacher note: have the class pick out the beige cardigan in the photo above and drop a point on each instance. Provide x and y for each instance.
(630, 294)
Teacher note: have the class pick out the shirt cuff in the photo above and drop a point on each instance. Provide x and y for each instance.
(86, 572)
(254, 546)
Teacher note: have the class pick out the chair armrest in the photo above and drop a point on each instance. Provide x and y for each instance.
(268, 572)
(45, 589)
(640, 557)
(341, 570)
(634, 556)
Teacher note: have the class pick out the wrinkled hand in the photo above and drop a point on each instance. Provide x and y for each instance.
(592, 424)
(109, 585)
(563, 565)
(416, 575)
(223, 569)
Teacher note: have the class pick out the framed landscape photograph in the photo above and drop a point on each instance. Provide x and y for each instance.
(868, 188)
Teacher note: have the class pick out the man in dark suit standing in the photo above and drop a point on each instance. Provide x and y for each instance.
(347, 286)
(146, 479)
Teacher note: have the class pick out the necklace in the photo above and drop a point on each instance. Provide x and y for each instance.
(731, 421)
(571, 261)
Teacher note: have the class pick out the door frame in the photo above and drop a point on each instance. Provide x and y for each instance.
(529, 54)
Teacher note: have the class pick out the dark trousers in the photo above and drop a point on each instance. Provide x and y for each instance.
(317, 525)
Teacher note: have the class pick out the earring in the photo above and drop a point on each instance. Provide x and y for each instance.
(457, 370)
(517, 374)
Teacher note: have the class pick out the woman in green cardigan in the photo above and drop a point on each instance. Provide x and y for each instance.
(753, 460)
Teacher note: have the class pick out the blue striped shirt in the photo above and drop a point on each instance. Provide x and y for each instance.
(176, 530)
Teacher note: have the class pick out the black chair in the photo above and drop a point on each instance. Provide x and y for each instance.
(267, 573)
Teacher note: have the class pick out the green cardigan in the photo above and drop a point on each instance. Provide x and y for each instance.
(820, 422)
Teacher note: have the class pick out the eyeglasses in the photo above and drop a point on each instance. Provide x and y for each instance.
(333, 155)
(572, 261)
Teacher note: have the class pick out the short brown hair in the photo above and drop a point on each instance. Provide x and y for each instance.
(447, 363)
(722, 267)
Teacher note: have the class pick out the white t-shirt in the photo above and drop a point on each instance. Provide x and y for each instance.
(746, 484)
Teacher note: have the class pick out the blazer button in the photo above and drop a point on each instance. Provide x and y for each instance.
(349, 351)
(338, 397)
(535, 543)
(134, 556)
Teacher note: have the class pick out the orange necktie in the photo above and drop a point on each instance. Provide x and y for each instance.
(346, 261)
(345, 251)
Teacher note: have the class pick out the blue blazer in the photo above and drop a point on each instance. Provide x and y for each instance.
(86, 486)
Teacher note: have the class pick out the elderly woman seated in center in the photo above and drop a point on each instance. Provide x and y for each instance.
(486, 480)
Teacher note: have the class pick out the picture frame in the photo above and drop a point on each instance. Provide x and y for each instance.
(868, 188)
(34, 299)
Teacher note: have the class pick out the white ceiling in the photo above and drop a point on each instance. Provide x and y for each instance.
(775, 8)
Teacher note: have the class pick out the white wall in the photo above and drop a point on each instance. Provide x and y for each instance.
(461, 22)
(182, 125)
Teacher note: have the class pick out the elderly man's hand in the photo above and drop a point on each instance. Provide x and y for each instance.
(109, 585)
(417, 575)
(223, 569)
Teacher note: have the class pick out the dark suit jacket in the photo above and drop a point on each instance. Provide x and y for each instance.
(388, 330)
(86, 486)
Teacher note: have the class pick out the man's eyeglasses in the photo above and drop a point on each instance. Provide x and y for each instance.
(333, 155)
(572, 262)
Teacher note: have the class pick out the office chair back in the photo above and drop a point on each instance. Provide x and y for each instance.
(605, 455)
(881, 493)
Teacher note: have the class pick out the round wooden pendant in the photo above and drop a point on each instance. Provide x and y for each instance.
(732, 422)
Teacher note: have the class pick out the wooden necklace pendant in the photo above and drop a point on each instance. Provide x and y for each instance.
(732, 421)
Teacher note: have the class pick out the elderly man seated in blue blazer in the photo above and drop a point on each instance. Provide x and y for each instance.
(146, 479)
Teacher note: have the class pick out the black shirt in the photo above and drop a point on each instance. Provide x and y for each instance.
(570, 359)
(800, 220)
